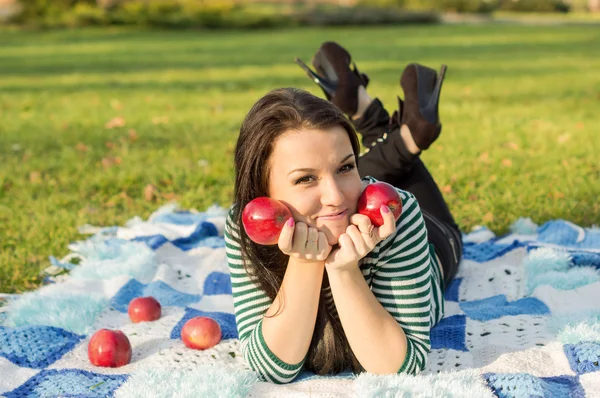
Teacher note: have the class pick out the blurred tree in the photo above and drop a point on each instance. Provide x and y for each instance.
(108, 4)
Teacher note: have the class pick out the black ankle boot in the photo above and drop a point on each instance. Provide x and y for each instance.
(336, 77)
(419, 111)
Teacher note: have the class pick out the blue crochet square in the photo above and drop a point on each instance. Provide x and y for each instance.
(183, 217)
(36, 347)
(486, 251)
(203, 231)
(217, 283)
(524, 385)
(498, 306)
(305, 375)
(152, 241)
(589, 259)
(165, 294)
(68, 383)
(450, 333)
(564, 233)
(451, 293)
(225, 321)
(583, 357)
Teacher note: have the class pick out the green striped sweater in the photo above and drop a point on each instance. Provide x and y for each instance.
(402, 271)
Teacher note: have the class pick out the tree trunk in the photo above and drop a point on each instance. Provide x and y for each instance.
(106, 4)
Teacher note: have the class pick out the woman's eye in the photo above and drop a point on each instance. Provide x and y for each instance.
(347, 167)
(344, 169)
(304, 180)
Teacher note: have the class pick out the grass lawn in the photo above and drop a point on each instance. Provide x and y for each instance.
(97, 126)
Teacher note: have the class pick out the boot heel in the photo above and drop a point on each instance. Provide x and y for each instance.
(430, 111)
(337, 76)
(422, 88)
(327, 87)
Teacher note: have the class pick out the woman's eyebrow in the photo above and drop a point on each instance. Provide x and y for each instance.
(309, 170)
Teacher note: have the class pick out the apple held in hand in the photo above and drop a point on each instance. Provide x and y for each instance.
(375, 195)
(201, 333)
(144, 309)
(263, 219)
(109, 348)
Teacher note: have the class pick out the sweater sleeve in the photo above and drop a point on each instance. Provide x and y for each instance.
(402, 282)
(250, 305)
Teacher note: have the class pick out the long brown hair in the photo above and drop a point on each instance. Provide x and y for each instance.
(279, 111)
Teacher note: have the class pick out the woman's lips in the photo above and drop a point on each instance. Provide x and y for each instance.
(335, 217)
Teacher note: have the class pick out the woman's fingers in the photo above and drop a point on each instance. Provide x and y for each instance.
(312, 238)
(362, 243)
(389, 223)
(363, 222)
(285, 237)
(303, 242)
(300, 235)
(312, 241)
(323, 247)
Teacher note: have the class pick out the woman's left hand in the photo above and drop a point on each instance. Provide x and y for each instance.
(359, 239)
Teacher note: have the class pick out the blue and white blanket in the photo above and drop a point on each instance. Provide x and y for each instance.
(522, 319)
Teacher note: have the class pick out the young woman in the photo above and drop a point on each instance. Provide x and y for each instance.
(336, 293)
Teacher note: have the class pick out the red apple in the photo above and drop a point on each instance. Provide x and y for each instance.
(375, 195)
(109, 348)
(144, 309)
(201, 333)
(263, 219)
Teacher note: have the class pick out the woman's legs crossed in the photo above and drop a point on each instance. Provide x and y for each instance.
(388, 159)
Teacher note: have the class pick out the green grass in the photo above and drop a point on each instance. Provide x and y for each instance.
(519, 107)
(532, 17)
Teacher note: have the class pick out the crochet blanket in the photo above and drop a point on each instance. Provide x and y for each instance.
(522, 319)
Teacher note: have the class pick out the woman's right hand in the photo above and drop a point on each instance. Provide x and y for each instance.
(300, 241)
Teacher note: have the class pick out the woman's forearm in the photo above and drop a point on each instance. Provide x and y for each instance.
(290, 321)
(376, 339)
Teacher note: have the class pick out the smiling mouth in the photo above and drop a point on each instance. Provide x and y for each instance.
(337, 216)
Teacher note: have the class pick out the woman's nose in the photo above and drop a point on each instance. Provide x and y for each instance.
(331, 193)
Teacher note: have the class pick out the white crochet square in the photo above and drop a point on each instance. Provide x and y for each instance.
(584, 298)
(452, 308)
(315, 388)
(479, 234)
(520, 237)
(489, 279)
(146, 338)
(488, 340)
(16, 375)
(591, 384)
(446, 360)
(102, 287)
(175, 355)
(142, 228)
(547, 361)
(186, 271)
(215, 303)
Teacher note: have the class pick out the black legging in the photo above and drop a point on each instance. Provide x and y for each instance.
(387, 159)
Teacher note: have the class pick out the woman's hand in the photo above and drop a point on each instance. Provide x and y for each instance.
(359, 239)
(303, 242)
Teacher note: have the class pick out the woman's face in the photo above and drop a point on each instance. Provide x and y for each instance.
(314, 173)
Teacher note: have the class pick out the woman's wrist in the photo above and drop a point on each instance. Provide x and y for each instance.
(342, 272)
(306, 263)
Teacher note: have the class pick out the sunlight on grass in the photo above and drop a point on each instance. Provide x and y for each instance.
(91, 118)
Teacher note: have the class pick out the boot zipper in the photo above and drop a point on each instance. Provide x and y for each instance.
(450, 239)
